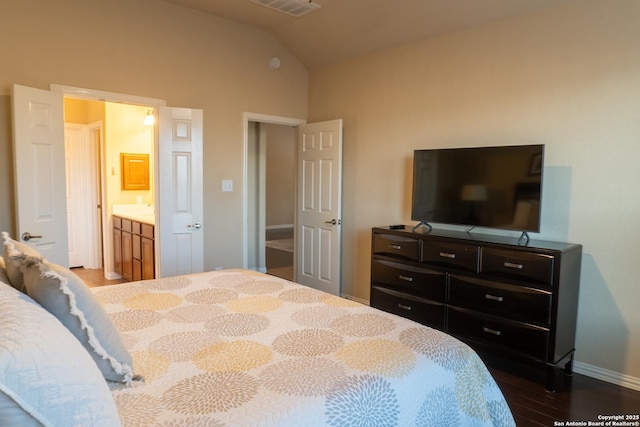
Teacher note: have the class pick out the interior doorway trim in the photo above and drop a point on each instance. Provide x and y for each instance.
(121, 98)
(260, 118)
(101, 95)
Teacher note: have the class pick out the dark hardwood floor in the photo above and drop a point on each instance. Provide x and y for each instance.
(581, 398)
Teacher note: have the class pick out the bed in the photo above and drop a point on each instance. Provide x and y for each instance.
(241, 348)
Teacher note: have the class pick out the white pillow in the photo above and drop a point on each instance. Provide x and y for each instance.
(71, 301)
(46, 377)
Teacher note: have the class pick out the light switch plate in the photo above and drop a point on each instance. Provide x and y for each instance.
(227, 185)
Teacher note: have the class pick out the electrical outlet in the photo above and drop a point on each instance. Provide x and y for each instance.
(227, 185)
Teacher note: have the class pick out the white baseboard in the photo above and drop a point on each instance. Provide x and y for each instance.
(111, 275)
(278, 227)
(352, 298)
(607, 375)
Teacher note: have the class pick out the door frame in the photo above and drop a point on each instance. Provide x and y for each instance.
(105, 96)
(97, 157)
(267, 119)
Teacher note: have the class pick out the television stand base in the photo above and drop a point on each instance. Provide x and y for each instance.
(421, 224)
(523, 240)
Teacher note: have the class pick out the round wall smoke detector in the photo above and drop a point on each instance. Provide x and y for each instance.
(274, 63)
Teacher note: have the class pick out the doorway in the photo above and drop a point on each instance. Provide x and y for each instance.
(270, 193)
(178, 143)
(96, 132)
(318, 200)
(280, 192)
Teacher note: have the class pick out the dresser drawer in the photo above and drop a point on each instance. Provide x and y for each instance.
(418, 281)
(398, 246)
(514, 302)
(456, 255)
(421, 310)
(510, 336)
(522, 265)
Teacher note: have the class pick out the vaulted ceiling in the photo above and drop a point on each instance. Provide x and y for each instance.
(343, 29)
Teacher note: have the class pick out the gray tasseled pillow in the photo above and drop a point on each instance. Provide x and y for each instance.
(69, 299)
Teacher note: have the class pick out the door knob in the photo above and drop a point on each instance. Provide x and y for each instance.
(334, 222)
(26, 236)
(196, 225)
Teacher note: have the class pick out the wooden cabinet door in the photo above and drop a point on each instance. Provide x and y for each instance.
(137, 270)
(117, 251)
(148, 259)
(136, 246)
(127, 255)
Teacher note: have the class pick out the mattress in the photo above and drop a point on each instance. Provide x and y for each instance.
(240, 348)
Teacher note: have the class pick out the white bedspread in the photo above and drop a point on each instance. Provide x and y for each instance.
(240, 348)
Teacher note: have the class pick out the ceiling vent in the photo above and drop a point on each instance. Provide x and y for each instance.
(290, 7)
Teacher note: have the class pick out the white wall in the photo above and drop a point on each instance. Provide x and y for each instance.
(568, 77)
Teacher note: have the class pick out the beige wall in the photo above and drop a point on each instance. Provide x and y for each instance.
(280, 185)
(567, 77)
(154, 49)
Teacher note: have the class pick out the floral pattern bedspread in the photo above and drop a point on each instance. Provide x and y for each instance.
(240, 348)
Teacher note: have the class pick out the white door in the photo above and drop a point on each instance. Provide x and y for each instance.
(319, 229)
(179, 199)
(38, 147)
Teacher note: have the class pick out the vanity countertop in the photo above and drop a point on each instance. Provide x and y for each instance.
(136, 212)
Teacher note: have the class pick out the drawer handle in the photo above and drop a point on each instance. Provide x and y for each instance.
(396, 247)
(493, 297)
(447, 255)
(513, 265)
(491, 331)
(404, 307)
(405, 278)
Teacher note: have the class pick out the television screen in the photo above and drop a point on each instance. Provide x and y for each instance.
(496, 187)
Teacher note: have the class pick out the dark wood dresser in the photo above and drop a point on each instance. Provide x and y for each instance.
(513, 303)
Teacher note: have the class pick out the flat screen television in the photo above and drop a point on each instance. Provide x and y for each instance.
(494, 187)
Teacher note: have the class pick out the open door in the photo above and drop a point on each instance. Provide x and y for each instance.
(39, 163)
(319, 211)
(180, 192)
